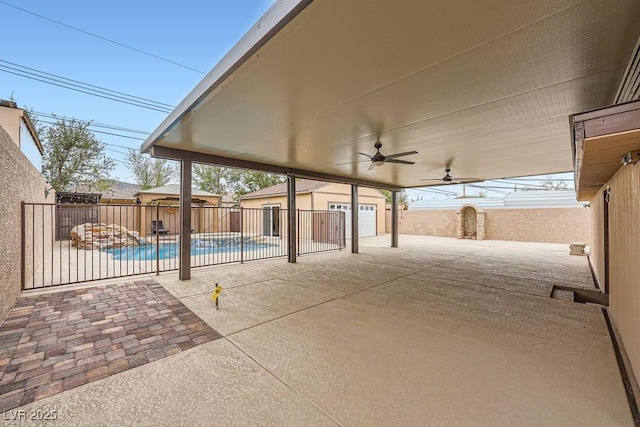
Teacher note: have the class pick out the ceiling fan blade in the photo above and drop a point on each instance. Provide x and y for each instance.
(432, 179)
(404, 162)
(448, 164)
(371, 166)
(350, 163)
(394, 156)
(366, 155)
(466, 180)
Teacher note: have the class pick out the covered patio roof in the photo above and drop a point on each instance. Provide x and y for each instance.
(485, 88)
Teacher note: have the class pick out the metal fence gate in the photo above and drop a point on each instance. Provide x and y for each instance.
(72, 243)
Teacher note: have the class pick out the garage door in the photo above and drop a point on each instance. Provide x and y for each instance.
(366, 218)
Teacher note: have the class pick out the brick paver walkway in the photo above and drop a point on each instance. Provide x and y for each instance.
(55, 342)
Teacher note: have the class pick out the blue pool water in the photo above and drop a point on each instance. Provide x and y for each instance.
(171, 250)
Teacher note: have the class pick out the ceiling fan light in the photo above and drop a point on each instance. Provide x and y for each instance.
(378, 162)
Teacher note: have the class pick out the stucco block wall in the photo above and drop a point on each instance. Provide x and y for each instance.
(624, 247)
(549, 225)
(439, 223)
(19, 181)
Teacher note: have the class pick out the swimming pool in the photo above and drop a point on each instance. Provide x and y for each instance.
(171, 250)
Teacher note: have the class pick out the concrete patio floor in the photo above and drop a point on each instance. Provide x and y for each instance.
(436, 332)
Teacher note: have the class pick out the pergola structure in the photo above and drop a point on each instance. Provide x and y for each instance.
(483, 88)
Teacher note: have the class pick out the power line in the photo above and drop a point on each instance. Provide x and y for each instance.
(106, 93)
(532, 179)
(103, 132)
(66, 79)
(88, 93)
(102, 38)
(435, 190)
(488, 188)
(90, 123)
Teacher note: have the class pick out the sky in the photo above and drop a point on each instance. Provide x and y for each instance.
(194, 34)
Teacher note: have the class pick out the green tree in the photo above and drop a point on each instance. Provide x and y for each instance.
(73, 155)
(149, 172)
(252, 181)
(217, 179)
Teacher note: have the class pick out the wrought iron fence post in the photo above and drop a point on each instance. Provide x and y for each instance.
(241, 235)
(157, 239)
(298, 224)
(23, 267)
(343, 229)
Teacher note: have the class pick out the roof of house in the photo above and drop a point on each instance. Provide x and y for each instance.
(174, 189)
(227, 199)
(302, 186)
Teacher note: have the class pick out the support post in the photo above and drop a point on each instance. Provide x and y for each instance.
(354, 219)
(291, 212)
(394, 219)
(185, 220)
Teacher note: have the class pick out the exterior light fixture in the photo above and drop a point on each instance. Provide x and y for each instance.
(630, 157)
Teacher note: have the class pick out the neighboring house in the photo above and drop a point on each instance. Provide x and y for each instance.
(526, 216)
(18, 125)
(166, 199)
(228, 202)
(20, 181)
(314, 195)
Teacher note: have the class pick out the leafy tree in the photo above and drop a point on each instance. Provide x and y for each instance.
(73, 155)
(149, 172)
(217, 179)
(230, 181)
(252, 181)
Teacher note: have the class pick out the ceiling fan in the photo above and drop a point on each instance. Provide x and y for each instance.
(378, 158)
(448, 179)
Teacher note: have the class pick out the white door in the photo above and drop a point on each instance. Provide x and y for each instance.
(366, 218)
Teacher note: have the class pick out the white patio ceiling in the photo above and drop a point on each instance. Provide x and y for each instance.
(485, 85)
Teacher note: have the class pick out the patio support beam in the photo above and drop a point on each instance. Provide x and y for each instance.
(394, 219)
(354, 219)
(291, 212)
(176, 154)
(184, 272)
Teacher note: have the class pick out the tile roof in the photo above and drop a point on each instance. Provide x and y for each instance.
(302, 186)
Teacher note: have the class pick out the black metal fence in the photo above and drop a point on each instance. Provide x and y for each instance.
(72, 243)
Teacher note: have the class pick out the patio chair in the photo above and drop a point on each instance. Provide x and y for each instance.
(158, 228)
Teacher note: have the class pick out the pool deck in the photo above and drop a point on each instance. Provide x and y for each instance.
(436, 332)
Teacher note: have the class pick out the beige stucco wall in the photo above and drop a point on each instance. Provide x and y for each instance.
(252, 211)
(303, 201)
(546, 225)
(550, 225)
(10, 122)
(624, 247)
(441, 223)
(19, 181)
(596, 251)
